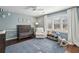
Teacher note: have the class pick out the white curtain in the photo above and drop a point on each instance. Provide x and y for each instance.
(72, 25)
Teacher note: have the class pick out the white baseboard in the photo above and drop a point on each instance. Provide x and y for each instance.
(11, 38)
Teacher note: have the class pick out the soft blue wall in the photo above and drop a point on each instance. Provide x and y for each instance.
(9, 23)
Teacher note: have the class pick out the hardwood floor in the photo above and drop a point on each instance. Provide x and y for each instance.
(72, 49)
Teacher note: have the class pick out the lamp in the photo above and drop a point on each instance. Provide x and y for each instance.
(36, 24)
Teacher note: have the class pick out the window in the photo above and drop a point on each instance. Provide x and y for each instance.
(65, 25)
(57, 24)
(49, 25)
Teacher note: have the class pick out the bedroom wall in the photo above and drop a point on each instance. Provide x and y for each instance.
(9, 23)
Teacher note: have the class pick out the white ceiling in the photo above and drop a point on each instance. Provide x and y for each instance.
(28, 10)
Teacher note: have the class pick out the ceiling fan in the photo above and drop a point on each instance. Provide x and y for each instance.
(34, 8)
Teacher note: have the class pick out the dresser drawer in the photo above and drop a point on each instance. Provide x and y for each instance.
(2, 43)
(2, 49)
(2, 36)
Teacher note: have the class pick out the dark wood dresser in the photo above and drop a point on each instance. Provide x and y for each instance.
(2, 41)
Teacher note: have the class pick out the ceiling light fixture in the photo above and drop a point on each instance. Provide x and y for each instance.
(3, 14)
(34, 8)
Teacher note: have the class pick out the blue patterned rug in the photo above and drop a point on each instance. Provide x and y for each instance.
(35, 46)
